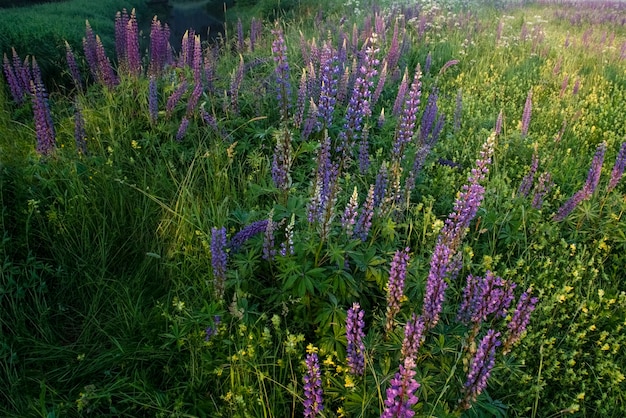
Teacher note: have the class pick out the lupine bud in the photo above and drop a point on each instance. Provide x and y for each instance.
(219, 259)
(71, 63)
(480, 368)
(355, 350)
(618, 167)
(279, 51)
(313, 394)
(395, 287)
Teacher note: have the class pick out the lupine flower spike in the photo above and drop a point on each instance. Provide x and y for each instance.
(618, 167)
(395, 287)
(480, 368)
(355, 355)
(313, 394)
(401, 394)
(219, 259)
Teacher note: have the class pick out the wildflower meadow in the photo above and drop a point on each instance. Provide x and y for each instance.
(359, 209)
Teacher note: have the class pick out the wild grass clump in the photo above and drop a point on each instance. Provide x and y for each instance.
(412, 211)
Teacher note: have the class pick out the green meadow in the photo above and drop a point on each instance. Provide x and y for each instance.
(333, 209)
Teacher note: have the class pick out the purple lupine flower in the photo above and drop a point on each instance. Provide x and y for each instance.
(153, 100)
(159, 46)
(133, 56)
(576, 87)
(413, 335)
(359, 105)
(395, 286)
(247, 233)
(196, 93)
(480, 368)
(406, 127)
(380, 187)
(256, 27)
(448, 65)
(286, 247)
(398, 104)
(458, 110)
(313, 394)
(529, 178)
(380, 85)
(430, 119)
(527, 113)
(519, 321)
(281, 162)
(348, 218)
(185, 57)
(22, 72)
(364, 223)
(211, 331)
(46, 136)
(175, 97)
(442, 263)
(618, 168)
(364, 155)
(301, 101)
(393, 54)
(342, 87)
(381, 118)
(106, 75)
(401, 394)
(241, 45)
(498, 128)
(543, 186)
(235, 83)
(269, 252)
(121, 22)
(73, 67)
(428, 62)
(182, 128)
(79, 130)
(483, 296)
(311, 122)
(219, 260)
(18, 91)
(325, 179)
(593, 178)
(209, 119)
(279, 51)
(329, 71)
(355, 350)
(90, 49)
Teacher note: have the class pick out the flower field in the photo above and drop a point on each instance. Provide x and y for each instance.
(394, 209)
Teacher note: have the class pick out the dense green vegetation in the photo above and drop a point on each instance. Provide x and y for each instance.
(187, 234)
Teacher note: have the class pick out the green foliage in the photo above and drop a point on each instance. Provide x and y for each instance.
(108, 300)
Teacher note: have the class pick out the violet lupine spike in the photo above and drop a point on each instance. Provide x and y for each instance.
(576, 87)
(182, 128)
(429, 118)
(256, 28)
(519, 321)
(618, 168)
(480, 368)
(269, 252)
(311, 122)
(73, 67)
(380, 187)
(483, 296)
(329, 72)
(349, 216)
(593, 178)
(400, 97)
(529, 178)
(428, 63)
(401, 394)
(44, 128)
(246, 233)
(413, 335)
(106, 75)
(364, 155)
(564, 86)
(355, 350)
(395, 287)
(241, 45)
(527, 114)
(153, 100)
(436, 285)
(121, 21)
(543, 186)
(406, 127)
(15, 86)
(196, 93)
(393, 54)
(364, 223)
(159, 47)
(79, 130)
(498, 128)
(313, 393)
(342, 87)
(279, 52)
(380, 85)
(219, 260)
(325, 178)
(90, 50)
(173, 100)
(132, 46)
(281, 162)
(235, 84)
(298, 115)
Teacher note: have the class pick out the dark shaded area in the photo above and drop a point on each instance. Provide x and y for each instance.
(22, 3)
